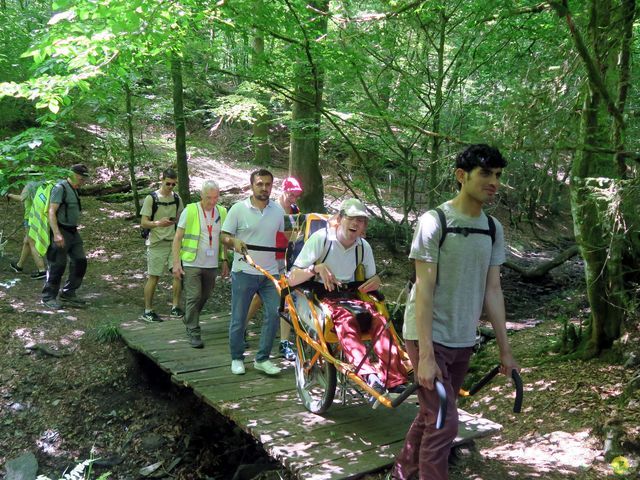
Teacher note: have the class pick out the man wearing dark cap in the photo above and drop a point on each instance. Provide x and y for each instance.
(66, 244)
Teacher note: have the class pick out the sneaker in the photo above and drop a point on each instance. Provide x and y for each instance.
(14, 266)
(38, 275)
(266, 367)
(52, 303)
(237, 367)
(150, 317)
(374, 382)
(195, 341)
(73, 301)
(176, 312)
(286, 350)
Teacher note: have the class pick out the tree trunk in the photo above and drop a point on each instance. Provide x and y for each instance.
(304, 162)
(131, 145)
(262, 150)
(181, 130)
(595, 188)
(434, 163)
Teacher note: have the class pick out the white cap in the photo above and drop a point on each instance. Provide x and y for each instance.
(353, 207)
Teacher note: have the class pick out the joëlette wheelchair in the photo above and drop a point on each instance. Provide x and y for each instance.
(320, 362)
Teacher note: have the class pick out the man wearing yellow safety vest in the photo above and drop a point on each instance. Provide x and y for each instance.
(66, 244)
(197, 254)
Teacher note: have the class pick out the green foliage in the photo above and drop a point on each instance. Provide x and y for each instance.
(107, 332)
(82, 471)
(28, 156)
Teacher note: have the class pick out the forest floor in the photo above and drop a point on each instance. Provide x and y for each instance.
(70, 390)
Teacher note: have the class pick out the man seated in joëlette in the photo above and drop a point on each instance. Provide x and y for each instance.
(329, 257)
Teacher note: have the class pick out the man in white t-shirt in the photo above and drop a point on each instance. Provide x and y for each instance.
(197, 253)
(331, 257)
(251, 226)
(457, 275)
(160, 211)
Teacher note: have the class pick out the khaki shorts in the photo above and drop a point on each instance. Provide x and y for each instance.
(159, 258)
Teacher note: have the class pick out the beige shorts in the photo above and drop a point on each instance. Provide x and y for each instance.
(159, 258)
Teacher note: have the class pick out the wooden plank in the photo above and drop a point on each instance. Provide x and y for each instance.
(347, 441)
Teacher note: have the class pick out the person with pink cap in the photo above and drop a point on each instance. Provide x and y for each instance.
(291, 192)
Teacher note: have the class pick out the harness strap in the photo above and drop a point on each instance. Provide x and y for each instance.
(260, 248)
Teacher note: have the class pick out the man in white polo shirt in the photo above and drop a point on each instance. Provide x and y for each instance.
(254, 222)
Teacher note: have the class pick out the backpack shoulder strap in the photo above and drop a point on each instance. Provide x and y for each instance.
(154, 204)
(492, 229)
(176, 199)
(443, 225)
(326, 250)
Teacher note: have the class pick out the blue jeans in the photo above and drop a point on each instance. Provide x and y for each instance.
(243, 287)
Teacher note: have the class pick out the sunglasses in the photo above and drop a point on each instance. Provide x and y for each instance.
(170, 184)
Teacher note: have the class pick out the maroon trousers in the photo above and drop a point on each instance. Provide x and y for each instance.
(390, 370)
(425, 454)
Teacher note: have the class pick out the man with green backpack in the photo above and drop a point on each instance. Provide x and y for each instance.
(64, 241)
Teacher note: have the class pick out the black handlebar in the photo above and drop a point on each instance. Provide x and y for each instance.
(517, 382)
(442, 397)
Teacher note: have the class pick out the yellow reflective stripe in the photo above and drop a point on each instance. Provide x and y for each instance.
(189, 245)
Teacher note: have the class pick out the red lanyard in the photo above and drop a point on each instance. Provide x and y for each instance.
(209, 226)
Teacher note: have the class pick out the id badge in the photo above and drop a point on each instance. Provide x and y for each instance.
(210, 252)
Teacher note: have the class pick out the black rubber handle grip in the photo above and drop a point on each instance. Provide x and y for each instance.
(484, 380)
(404, 395)
(517, 381)
(442, 397)
(442, 411)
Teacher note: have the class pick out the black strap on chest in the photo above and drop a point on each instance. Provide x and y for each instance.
(465, 230)
(155, 203)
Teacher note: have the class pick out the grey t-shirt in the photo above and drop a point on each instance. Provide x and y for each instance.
(69, 211)
(463, 264)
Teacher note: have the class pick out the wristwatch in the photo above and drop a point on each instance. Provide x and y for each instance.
(312, 268)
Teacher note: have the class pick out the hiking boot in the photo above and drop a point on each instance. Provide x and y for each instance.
(195, 341)
(176, 312)
(266, 367)
(38, 275)
(150, 317)
(52, 303)
(14, 266)
(237, 367)
(73, 301)
(286, 350)
(374, 382)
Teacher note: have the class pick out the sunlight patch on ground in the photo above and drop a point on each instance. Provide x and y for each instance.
(115, 213)
(557, 451)
(225, 175)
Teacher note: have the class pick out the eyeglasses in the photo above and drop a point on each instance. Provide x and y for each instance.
(170, 184)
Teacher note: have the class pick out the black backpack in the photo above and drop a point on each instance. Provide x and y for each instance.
(462, 230)
(144, 232)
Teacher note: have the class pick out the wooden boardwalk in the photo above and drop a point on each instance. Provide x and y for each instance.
(350, 439)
